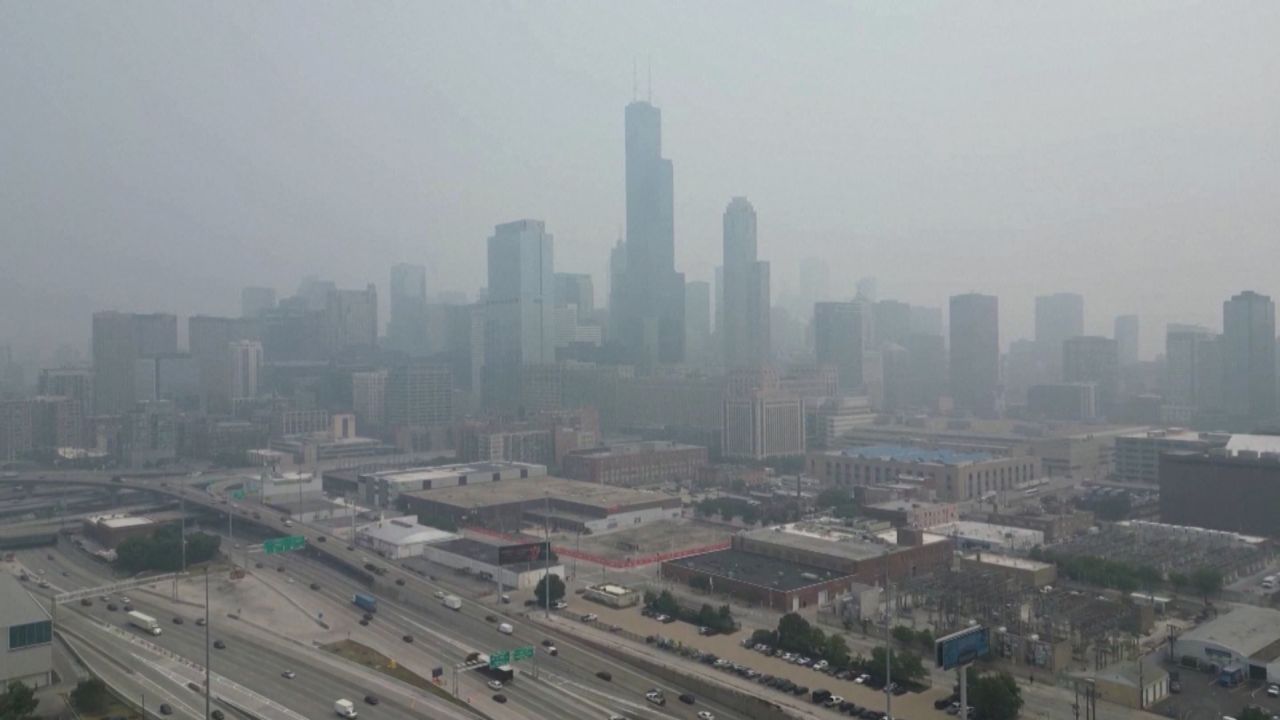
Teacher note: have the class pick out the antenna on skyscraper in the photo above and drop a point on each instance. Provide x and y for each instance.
(635, 91)
(650, 70)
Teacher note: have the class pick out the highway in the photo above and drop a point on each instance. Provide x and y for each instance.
(567, 685)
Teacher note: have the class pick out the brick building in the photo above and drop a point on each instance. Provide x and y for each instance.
(953, 476)
(908, 513)
(637, 464)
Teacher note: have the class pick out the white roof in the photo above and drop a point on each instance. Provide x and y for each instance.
(123, 522)
(1002, 535)
(1245, 630)
(1255, 443)
(397, 532)
(1009, 562)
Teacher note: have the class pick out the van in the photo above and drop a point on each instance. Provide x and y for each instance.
(1268, 584)
(505, 628)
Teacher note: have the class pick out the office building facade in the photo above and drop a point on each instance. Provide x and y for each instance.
(407, 325)
(746, 290)
(837, 340)
(520, 317)
(975, 354)
(1249, 359)
(118, 340)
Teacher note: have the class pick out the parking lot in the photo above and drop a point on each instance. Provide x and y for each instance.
(1203, 699)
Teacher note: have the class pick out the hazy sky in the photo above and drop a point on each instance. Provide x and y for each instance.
(159, 155)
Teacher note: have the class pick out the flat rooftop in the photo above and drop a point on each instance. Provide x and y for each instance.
(439, 472)
(399, 532)
(504, 492)
(635, 448)
(1253, 443)
(1170, 434)
(907, 505)
(1006, 561)
(118, 523)
(1248, 630)
(486, 553)
(1006, 535)
(908, 454)
(824, 539)
(757, 570)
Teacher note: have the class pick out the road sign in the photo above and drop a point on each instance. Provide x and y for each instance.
(498, 659)
(237, 495)
(962, 648)
(288, 543)
(522, 653)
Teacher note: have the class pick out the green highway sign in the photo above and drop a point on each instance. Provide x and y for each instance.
(522, 653)
(498, 659)
(287, 543)
(237, 495)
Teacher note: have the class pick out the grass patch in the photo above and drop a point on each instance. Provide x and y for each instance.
(114, 709)
(370, 658)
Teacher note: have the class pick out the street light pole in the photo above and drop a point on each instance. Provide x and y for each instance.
(546, 566)
(207, 671)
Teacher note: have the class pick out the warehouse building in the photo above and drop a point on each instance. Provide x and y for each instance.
(637, 464)
(400, 538)
(383, 488)
(567, 505)
(1027, 573)
(1233, 489)
(28, 634)
(1137, 455)
(780, 585)
(865, 557)
(1247, 636)
(484, 560)
(909, 513)
(953, 476)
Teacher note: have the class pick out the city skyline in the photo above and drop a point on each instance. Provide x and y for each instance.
(811, 206)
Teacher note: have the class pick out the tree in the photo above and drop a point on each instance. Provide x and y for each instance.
(667, 604)
(904, 634)
(90, 696)
(794, 633)
(994, 696)
(1253, 712)
(1207, 581)
(556, 589)
(18, 702)
(836, 651)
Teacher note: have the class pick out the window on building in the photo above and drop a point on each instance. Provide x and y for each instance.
(36, 633)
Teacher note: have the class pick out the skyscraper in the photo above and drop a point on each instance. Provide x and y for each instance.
(118, 340)
(578, 290)
(1183, 350)
(975, 354)
(245, 366)
(407, 326)
(1058, 317)
(1091, 359)
(697, 323)
(650, 318)
(520, 313)
(892, 321)
(837, 341)
(1127, 338)
(351, 319)
(1249, 359)
(746, 290)
(256, 300)
(209, 337)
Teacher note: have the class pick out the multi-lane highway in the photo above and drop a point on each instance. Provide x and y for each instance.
(567, 685)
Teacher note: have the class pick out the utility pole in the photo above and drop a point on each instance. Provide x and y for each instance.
(182, 539)
(207, 672)
(888, 639)
(964, 691)
(546, 566)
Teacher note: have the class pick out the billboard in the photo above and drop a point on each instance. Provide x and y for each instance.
(962, 648)
(523, 553)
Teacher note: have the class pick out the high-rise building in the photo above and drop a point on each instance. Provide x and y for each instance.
(73, 382)
(1090, 359)
(17, 438)
(746, 290)
(837, 341)
(520, 314)
(867, 288)
(209, 337)
(351, 319)
(763, 424)
(256, 300)
(578, 290)
(891, 322)
(407, 326)
(1181, 343)
(245, 364)
(1249, 359)
(369, 398)
(649, 319)
(896, 377)
(975, 354)
(1058, 317)
(927, 369)
(926, 320)
(697, 323)
(1127, 327)
(419, 395)
(175, 378)
(118, 340)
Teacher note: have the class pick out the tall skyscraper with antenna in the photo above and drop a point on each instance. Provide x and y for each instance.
(649, 317)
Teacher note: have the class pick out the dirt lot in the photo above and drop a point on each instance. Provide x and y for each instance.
(654, 537)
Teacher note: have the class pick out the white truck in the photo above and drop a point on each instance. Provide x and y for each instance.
(143, 622)
(505, 628)
(453, 602)
(344, 708)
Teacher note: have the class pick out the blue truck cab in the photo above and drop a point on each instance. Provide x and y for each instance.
(368, 603)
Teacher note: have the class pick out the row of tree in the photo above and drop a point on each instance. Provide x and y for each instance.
(18, 702)
(162, 551)
(908, 637)
(718, 619)
(993, 696)
(842, 505)
(1205, 581)
(797, 635)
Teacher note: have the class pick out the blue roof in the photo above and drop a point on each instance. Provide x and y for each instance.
(904, 453)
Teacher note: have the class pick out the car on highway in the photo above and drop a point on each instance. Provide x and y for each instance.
(86, 602)
(604, 675)
(439, 594)
(704, 715)
(490, 619)
(499, 698)
(178, 621)
(112, 607)
(370, 699)
(494, 684)
(546, 642)
(165, 709)
(552, 650)
(400, 581)
(615, 716)
(288, 674)
(201, 622)
(590, 617)
(219, 645)
(655, 697)
(217, 715)
(315, 586)
(687, 699)
(407, 638)
(128, 608)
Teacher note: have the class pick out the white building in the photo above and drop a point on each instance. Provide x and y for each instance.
(27, 634)
(382, 488)
(400, 538)
(970, 535)
(1247, 636)
(245, 366)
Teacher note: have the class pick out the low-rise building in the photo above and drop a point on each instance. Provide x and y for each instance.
(780, 585)
(1247, 636)
(1137, 685)
(1055, 526)
(383, 488)
(28, 636)
(1222, 490)
(1137, 455)
(637, 464)
(397, 539)
(483, 560)
(970, 535)
(908, 513)
(111, 530)
(864, 557)
(1026, 572)
(613, 595)
(952, 475)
